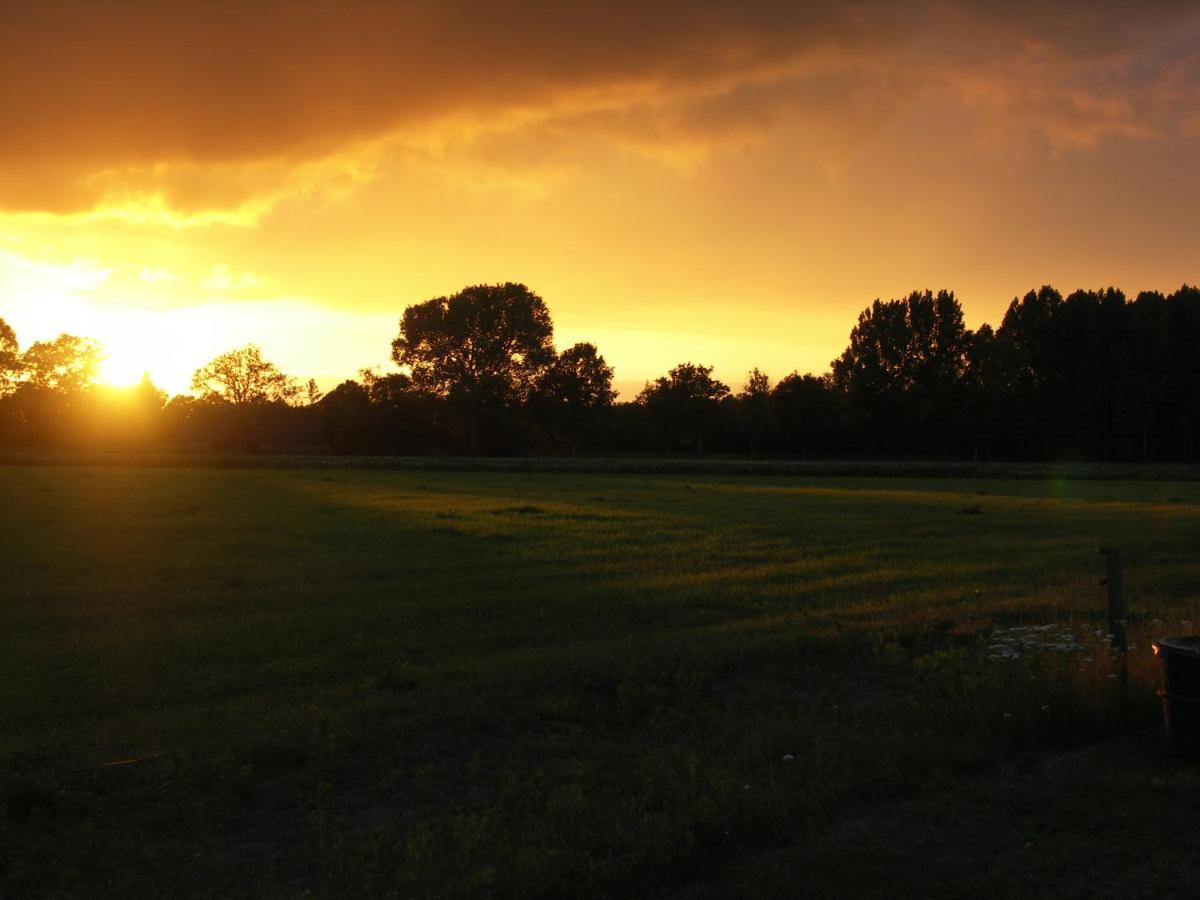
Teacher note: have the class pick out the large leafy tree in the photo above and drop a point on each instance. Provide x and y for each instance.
(578, 379)
(573, 395)
(44, 387)
(67, 364)
(484, 348)
(243, 377)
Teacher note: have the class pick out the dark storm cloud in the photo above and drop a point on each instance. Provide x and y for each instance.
(92, 88)
(128, 81)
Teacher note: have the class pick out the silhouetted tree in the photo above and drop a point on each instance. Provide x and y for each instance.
(1183, 395)
(808, 411)
(484, 349)
(312, 394)
(67, 364)
(243, 377)
(579, 378)
(406, 419)
(1143, 391)
(1070, 372)
(387, 390)
(10, 359)
(1028, 330)
(346, 417)
(755, 404)
(870, 373)
(1091, 336)
(685, 403)
(573, 392)
(988, 416)
(902, 372)
(937, 361)
(46, 390)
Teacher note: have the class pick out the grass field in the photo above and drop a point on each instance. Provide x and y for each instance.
(428, 683)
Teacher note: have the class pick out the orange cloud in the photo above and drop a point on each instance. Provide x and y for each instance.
(202, 113)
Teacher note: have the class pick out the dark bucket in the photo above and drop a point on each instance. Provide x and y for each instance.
(1181, 692)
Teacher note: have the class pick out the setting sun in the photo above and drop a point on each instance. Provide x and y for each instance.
(137, 350)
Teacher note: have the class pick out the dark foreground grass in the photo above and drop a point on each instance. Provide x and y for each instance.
(273, 682)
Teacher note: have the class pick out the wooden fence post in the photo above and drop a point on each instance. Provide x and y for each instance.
(1116, 606)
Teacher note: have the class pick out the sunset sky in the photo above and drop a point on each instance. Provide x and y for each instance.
(723, 182)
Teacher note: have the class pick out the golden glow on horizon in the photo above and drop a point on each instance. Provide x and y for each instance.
(305, 340)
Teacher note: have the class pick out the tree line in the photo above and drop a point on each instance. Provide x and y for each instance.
(1089, 376)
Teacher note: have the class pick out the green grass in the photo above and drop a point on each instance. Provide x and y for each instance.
(433, 683)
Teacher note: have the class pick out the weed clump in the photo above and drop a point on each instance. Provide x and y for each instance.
(1038, 686)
